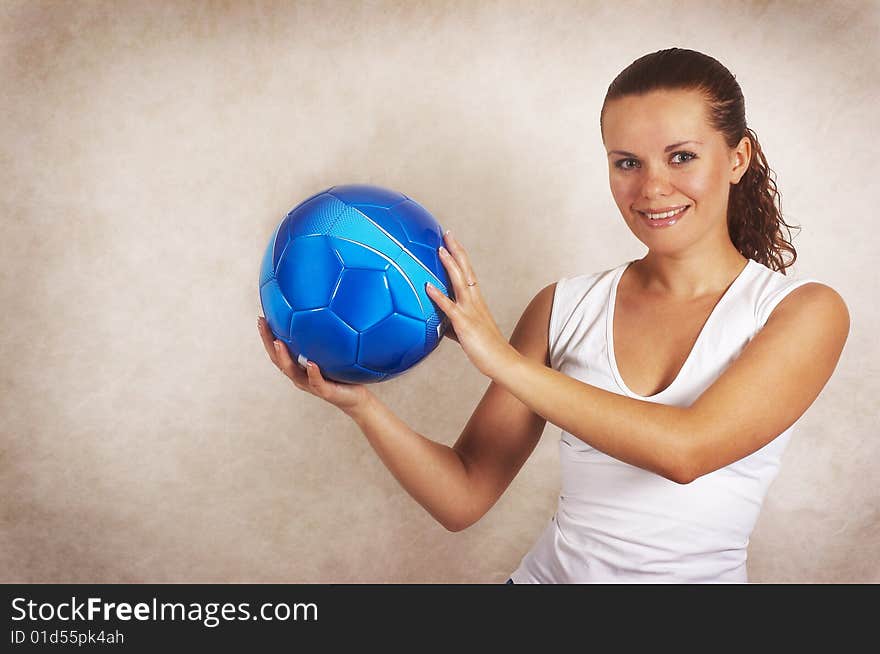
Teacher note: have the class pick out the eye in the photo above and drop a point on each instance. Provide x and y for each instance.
(690, 156)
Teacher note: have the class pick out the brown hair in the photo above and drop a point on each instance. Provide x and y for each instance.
(753, 220)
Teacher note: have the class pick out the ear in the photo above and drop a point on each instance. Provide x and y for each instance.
(739, 159)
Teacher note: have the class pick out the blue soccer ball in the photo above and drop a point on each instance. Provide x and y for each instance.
(342, 283)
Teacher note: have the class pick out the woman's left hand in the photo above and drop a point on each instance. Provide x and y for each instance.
(475, 329)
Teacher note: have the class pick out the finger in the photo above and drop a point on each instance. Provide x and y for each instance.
(446, 305)
(456, 277)
(287, 365)
(266, 335)
(461, 257)
(316, 379)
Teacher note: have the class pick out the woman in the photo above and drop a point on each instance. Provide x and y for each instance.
(675, 378)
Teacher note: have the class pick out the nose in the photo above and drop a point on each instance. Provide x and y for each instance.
(656, 183)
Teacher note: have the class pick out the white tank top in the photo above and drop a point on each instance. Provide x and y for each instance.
(616, 522)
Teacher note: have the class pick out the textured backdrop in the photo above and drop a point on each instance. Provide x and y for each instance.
(147, 151)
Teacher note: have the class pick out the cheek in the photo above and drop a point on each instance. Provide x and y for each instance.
(707, 183)
(699, 186)
(623, 187)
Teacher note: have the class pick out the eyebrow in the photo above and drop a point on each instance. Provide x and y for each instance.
(666, 149)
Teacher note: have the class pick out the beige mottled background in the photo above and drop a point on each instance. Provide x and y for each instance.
(147, 151)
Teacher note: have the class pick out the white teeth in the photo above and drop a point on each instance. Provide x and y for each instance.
(660, 216)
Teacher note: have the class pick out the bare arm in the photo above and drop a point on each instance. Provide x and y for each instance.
(457, 485)
(765, 390)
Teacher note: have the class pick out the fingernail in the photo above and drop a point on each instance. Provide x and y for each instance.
(447, 232)
(277, 345)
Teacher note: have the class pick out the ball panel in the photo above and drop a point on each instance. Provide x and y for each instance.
(413, 358)
(308, 272)
(315, 217)
(389, 222)
(362, 298)
(355, 255)
(418, 275)
(430, 259)
(384, 219)
(280, 241)
(404, 296)
(267, 267)
(435, 326)
(406, 334)
(276, 309)
(356, 374)
(354, 226)
(325, 339)
(367, 194)
(419, 225)
(311, 197)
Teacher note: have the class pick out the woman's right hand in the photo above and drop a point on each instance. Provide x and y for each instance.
(347, 397)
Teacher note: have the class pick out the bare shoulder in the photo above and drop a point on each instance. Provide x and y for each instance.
(775, 379)
(531, 335)
(814, 305)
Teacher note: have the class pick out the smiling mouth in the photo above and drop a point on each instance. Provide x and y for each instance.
(666, 214)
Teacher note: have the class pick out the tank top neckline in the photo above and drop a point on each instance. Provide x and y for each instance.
(609, 332)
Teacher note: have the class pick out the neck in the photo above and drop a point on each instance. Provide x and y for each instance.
(688, 275)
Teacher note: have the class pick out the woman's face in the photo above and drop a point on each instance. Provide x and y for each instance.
(662, 153)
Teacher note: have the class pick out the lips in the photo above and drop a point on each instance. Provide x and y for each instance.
(657, 212)
(656, 223)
